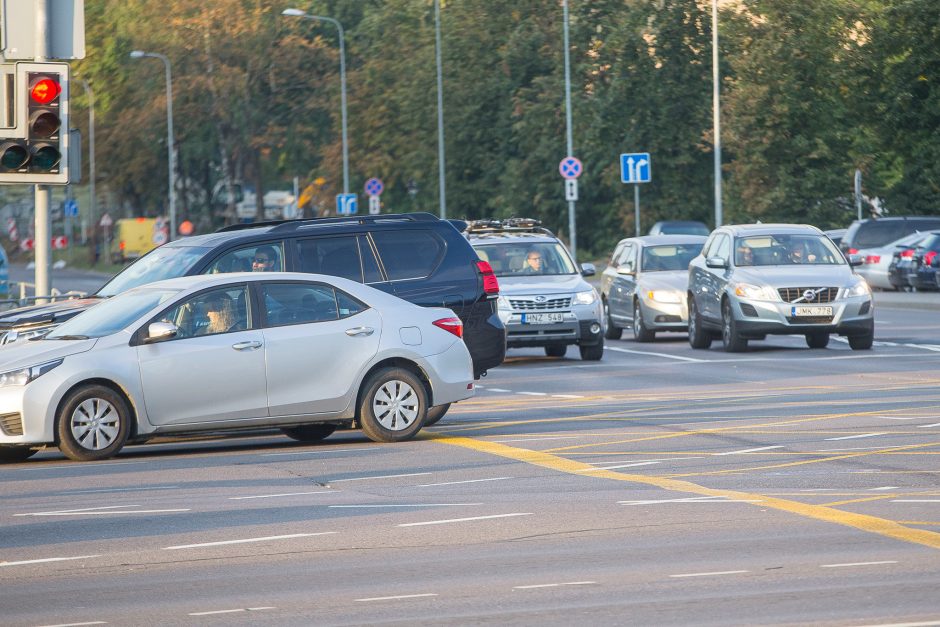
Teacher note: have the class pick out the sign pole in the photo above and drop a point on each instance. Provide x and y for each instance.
(43, 227)
(573, 234)
(636, 206)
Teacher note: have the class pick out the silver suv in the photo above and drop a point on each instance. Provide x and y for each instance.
(543, 297)
(759, 279)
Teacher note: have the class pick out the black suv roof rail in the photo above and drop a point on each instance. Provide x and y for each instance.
(292, 225)
(509, 225)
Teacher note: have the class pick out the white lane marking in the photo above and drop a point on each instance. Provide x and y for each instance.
(716, 573)
(103, 511)
(819, 490)
(497, 390)
(247, 540)
(692, 499)
(749, 450)
(456, 520)
(241, 609)
(649, 463)
(932, 623)
(856, 448)
(555, 585)
(566, 396)
(936, 424)
(401, 596)
(533, 393)
(915, 501)
(95, 622)
(855, 437)
(886, 487)
(552, 437)
(658, 459)
(98, 466)
(667, 355)
(428, 485)
(897, 417)
(48, 559)
(928, 347)
(857, 564)
(324, 451)
(410, 474)
(272, 496)
(412, 505)
(169, 487)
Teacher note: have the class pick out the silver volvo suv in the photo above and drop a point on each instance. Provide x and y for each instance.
(755, 280)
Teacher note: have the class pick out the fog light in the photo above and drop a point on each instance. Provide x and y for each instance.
(595, 328)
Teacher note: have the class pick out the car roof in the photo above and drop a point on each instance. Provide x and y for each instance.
(657, 240)
(745, 230)
(503, 237)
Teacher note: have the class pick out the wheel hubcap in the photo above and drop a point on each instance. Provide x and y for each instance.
(726, 327)
(395, 405)
(95, 424)
(637, 322)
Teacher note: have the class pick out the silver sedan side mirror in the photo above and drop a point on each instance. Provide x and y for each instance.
(158, 331)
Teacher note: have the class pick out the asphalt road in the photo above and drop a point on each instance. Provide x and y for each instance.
(659, 486)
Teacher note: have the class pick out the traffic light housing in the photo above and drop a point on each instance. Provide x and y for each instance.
(34, 144)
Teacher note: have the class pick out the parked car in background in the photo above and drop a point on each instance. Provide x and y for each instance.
(644, 286)
(877, 261)
(544, 300)
(680, 227)
(759, 279)
(135, 237)
(872, 233)
(922, 272)
(303, 353)
(899, 266)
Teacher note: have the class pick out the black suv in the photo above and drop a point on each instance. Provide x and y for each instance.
(415, 256)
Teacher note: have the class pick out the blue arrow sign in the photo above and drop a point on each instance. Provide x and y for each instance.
(71, 208)
(346, 204)
(635, 167)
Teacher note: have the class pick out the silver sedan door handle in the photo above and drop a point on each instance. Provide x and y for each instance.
(242, 346)
(360, 331)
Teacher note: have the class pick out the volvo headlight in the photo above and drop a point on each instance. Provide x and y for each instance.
(664, 296)
(859, 289)
(756, 292)
(25, 375)
(585, 298)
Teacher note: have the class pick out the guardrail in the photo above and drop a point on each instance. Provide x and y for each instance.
(25, 299)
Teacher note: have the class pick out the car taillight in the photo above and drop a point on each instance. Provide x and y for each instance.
(929, 257)
(907, 254)
(490, 284)
(872, 259)
(451, 325)
(853, 251)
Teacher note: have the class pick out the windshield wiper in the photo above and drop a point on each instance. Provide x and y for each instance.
(66, 337)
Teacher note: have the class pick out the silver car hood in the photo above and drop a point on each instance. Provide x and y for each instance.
(519, 285)
(669, 280)
(34, 352)
(796, 275)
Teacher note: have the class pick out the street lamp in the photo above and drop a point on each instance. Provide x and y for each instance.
(342, 80)
(440, 108)
(170, 147)
(93, 210)
(570, 142)
(716, 114)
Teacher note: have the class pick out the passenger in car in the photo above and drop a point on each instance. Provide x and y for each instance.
(533, 262)
(264, 260)
(221, 315)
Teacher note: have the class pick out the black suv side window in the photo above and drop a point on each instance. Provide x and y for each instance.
(254, 258)
(410, 254)
(336, 256)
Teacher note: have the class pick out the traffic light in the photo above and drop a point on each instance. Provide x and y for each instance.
(34, 148)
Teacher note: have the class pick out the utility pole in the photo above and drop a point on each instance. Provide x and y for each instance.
(43, 221)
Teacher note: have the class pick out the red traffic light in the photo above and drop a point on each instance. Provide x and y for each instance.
(44, 90)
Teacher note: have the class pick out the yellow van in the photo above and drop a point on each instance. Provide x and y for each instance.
(134, 237)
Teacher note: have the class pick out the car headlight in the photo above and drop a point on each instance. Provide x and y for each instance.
(25, 375)
(756, 292)
(585, 298)
(859, 289)
(664, 296)
(503, 303)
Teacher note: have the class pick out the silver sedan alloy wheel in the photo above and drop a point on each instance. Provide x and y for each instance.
(395, 405)
(95, 424)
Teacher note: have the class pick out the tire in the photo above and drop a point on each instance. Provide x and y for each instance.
(640, 332)
(817, 340)
(393, 405)
(309, 433)
(556, 350)
(861, 342)
(613, 332)
(92, 423)
(435, 414)
(698, 337)
(730, 337)
(13, 454)
(592, 353)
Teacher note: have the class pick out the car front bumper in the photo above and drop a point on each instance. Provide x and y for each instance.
(660, 316)
(849, 316)
(580, 325)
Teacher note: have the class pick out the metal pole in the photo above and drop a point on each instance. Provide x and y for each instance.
(440, 108)
(171, 147)
(572, 227)
(716, 114)
(858, 192)
(636, 206)
(92, 201)
(43, 222)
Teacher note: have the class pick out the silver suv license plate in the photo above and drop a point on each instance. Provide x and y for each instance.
(811, 311)
(542, 318)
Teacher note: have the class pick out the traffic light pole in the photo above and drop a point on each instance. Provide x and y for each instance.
(43, 229)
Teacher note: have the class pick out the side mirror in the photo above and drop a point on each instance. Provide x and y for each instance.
(158, 331)
(716, 262)
(856, 260)
(588, 269)
(626, 270)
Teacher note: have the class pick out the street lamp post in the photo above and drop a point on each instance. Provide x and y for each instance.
(440, 107)
(342, 80)
(92, 204)
(570, 142)
(716, 113)
(170, 144)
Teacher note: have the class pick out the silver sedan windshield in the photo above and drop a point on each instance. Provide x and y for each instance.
(112, 315)
(785, 250)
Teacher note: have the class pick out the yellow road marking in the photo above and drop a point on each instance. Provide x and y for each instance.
(862, 522)
(870, 498)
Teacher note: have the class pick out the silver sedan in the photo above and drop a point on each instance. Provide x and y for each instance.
(305, 353)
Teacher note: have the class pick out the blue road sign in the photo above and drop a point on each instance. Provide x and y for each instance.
(374, 187)
(346, 204)
(635, 167)
(570, 168)
(70, 208)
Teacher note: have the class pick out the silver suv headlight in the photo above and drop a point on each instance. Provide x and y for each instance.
(755, 292)
(25, 375)
(585, 298)
(664, 296)
(859, 289)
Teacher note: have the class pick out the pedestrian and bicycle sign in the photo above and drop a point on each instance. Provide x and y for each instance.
(570, 168)
(346, 204)
(635, 167)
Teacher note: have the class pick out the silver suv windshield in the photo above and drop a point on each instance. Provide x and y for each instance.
(166, 262)
(112, 315)
(526, 258)
(785, 250)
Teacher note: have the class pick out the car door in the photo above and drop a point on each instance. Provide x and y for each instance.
(610, 272)
(203, 376)
(317, 339)
(712, 280)
(624, 284)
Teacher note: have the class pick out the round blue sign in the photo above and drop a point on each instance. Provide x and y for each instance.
(570, 167)
(374, 187)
